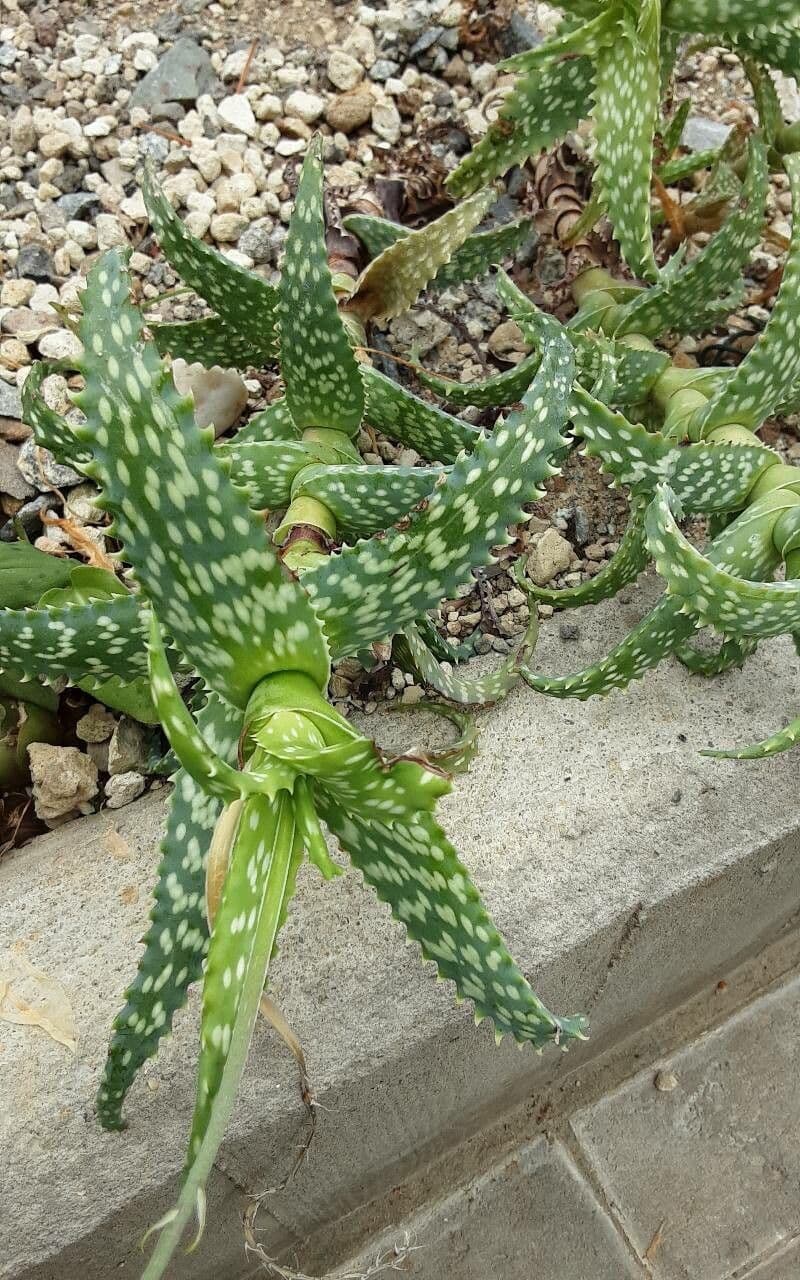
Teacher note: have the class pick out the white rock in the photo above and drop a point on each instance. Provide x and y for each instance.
(42, 296)
(344, 71)
(234, 64)
(101, 127)
(83, 233)
(16, 293)
(551, 555)
(60, 345)
(122, 788)
(269, 107)
(290, 146)
(110, 231)
(134, 207)
(128, 747)
(386, 121)
(361, 44)
(237, 112)
(81, 502)
(55, 143)
(308, 107)
(197, 222)
(219, 394)
(145, 60)
(64, 781)
(227, 227)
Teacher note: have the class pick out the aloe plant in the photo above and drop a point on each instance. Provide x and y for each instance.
(268, 759)
(619, 56)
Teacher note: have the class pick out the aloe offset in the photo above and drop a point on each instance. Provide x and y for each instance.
(267, 759)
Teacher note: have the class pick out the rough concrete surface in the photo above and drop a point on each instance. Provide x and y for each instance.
(624, 869)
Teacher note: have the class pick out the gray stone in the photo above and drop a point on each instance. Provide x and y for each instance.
(10, 401)
(64, 781)
(702, 134)
(533, 1215)
(36, 262)
(12, 481)
(784, 1265)
(256, 242)
(717, 1158)
(183, 73)
(551, 555)
(518, 35)
(40, 468)
(128, 748)
(123, 788)
(78, 204)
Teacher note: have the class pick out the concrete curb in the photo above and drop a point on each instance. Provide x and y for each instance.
(624, 869)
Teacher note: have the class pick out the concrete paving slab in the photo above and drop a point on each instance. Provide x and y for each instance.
(624, 869)
(784, 1265)
(533, 1215)
(713, 1162)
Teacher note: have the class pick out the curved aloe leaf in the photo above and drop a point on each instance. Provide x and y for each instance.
(627, 562)
(587, 39)
(102, 639)
(627, 93)
(778, 46)
(759, 383)
(683, 302)
(411, 652)
(725, 15)
(211, 340)
(502, 388)
(175, 943)
(719, 599)
(267, 468)
(243, 300)
(26, 573)
(394, 280)
(377, 588)
(477, 254)
(413, 867)
(731, 653)
(781, 740)
(415, 423)
(201, 553)
(323, 386)
(52, 431)
(366, 499)
(273, 423)
(541, 108)
(259, 879)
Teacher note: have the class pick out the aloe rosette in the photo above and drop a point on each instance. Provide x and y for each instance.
(267, 759)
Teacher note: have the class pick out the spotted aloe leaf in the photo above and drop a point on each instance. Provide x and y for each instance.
(541, 108)
(627, 562)
(477, 254)
(211, 340)
(393, 281)
(683, 302)
(195, 545)
(726, 15)
(777, 45)
(781, 740)
(588, 39)
(759, 384)
(627, 94)
(768, 104)
(415, 423)
(412, 866)
(718, 598)
(412, 653)
(731, 653)
(323, 386)
(259, 880)
(101, 639)
(501, 388)
(377, 588)
(672, 129)
(273, 423)
(746, 547)
(679, 168)
(51, 430)
(175, 943)
(244, 302)
(365, 499)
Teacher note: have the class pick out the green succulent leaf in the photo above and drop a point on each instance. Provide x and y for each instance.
(718, 598)
(413, 422)
(394, 280)
(25, 574)
(627, 562)
(627, 95)
(323, 386)
(199, 550)
(782, 740)
(258, 883)
(365, 499)
(778, 46)
(101, 640)
(377, 588)
(725, 15)
(412, 653)
(211, 341)
(684, 302)
(680, 168)
(759, 384)
(541, 108)
(273, 423)
(745, 547)
(502, 388)
(51, 430)
(588, 39)
(245, 302)
(443, 648)
(413, 867)
(731, 653)
(267, 468)
(768, 104)
(672, 129)
(175, 943)
(477, 255)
